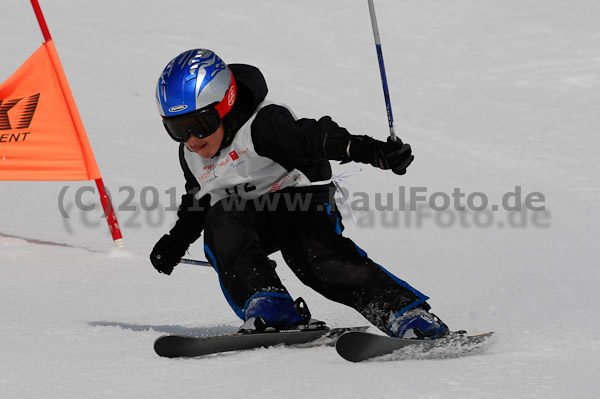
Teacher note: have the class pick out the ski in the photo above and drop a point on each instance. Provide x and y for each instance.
(188, 346)
(358, 346)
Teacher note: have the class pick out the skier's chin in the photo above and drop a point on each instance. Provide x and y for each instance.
(205, 150)
(206, 154)
(199, 149)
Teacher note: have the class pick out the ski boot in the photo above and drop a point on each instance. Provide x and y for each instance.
(418, 323)
(270, 313)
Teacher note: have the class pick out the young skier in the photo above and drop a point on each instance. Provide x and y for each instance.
(258, 180)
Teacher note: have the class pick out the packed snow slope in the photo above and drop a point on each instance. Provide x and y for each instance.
(494, 97)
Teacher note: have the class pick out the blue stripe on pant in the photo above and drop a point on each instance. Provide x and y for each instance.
(238, 311)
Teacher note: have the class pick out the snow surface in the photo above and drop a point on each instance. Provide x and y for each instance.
(491, 95)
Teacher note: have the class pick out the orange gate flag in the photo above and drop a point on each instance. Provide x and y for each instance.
(40, 139)
(41, 133)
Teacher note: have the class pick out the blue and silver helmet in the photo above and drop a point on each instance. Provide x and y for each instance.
(194, 80)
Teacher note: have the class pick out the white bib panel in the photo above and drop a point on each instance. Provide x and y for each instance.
(239, 171)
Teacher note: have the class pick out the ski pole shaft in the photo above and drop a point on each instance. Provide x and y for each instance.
(195, 262)
(386, 92)
(207, 264)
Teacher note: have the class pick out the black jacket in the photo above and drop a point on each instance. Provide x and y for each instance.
(304, 144)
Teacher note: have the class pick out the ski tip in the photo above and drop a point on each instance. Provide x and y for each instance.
(351, 345)
(356, 346)
(171, 345)
(159, 346)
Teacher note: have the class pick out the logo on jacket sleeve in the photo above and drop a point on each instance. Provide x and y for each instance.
(234, 156)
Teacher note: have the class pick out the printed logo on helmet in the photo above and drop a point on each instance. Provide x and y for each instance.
(177, 108)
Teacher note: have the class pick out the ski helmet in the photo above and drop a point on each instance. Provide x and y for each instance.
(194, 81)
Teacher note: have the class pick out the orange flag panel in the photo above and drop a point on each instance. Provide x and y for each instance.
(41, 133)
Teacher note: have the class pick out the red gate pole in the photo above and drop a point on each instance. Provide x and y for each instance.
(109, 211)
(41, 20)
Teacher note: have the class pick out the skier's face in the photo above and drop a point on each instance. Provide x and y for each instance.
(206, 147)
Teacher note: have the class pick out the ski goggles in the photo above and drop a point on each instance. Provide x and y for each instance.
(203, 122)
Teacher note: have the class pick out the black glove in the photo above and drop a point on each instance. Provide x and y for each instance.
(166, 254)
(394, 155)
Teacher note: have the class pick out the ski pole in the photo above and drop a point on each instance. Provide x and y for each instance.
(195, 262)
(206, 263)
(386, 92)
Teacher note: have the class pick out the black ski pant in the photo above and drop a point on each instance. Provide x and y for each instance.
(238, 240)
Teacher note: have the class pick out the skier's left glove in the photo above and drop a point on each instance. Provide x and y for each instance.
(166, 254)
(394, 155)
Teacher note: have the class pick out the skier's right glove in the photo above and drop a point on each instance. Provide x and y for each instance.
(166, 254)
(394, 155)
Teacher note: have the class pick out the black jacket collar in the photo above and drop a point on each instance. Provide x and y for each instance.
(252, 90)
